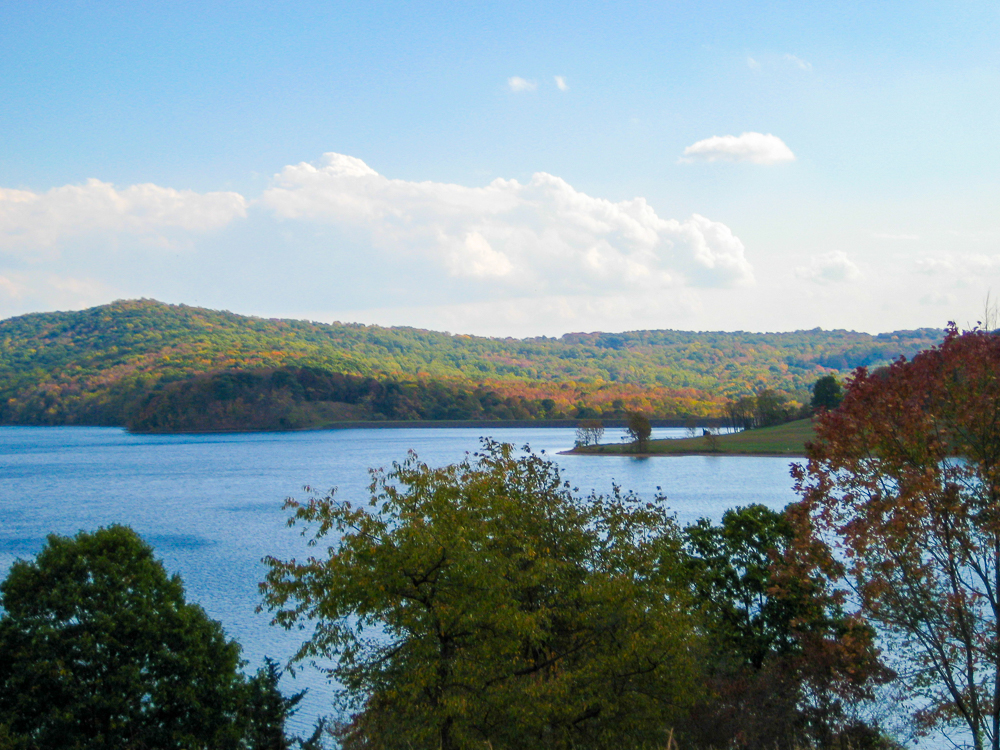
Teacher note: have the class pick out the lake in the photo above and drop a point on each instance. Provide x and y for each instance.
(211, 504)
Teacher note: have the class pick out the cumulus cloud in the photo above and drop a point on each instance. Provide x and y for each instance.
(41, 220)
(830, 268)
(516, 83)
(798, 62)
(338, 230)
(539, 235)
(561, 83)
(755, 148)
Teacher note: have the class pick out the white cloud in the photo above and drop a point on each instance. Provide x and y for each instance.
(504, 256)
(516, 83)
(41, 220)
(798, 62)
(476, 257)
(964, 263)
(540, 235)
(753, 64)
(830, 268)
(561, 83)
(756, 148)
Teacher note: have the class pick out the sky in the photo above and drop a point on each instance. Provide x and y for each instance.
(506, 169)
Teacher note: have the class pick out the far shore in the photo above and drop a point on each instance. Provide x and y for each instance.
(701, 422)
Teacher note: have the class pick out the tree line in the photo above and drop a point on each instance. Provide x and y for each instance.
(489, 604)
(768, 408)
(90, 366)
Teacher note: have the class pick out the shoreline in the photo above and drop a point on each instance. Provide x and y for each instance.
(386, 424)
(676, 454)
(427, 424)
(788, 440)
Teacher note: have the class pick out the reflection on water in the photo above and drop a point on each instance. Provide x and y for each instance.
(211, 504)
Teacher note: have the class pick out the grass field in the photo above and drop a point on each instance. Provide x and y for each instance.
(784, 440)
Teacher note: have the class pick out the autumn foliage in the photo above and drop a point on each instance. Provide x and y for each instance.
(485, 604)
(101, 366)
(905, 479)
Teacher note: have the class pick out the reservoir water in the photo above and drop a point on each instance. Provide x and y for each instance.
(211, 504)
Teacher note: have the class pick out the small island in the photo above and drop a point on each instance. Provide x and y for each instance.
(787, 439)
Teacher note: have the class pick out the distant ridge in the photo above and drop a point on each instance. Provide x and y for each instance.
(101, 365)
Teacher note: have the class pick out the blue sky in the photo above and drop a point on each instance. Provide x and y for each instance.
(754, 166)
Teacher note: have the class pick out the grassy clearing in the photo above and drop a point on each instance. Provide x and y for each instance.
(784, 440)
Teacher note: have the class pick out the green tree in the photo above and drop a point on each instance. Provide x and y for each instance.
(786, 660)
(772, 408)
(639, 430)
(486, 603)
(742, 413)
(904, 478)
(265, 711)
(99, 649)
(827, 393)
(731, 572)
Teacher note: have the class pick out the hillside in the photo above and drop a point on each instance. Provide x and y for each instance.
(102, 365)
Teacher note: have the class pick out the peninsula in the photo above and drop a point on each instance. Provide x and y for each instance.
(787, 439)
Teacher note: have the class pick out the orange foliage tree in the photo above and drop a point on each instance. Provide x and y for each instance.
(905, 477)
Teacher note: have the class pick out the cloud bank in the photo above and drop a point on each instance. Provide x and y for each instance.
(540, 235)
(755, 148)
(336, 235)
(34, 221)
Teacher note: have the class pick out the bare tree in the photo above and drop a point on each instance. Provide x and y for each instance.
(589, 432)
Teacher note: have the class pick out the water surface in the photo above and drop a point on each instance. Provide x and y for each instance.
(211, 504)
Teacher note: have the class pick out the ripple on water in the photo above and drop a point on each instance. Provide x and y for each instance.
(211, 504)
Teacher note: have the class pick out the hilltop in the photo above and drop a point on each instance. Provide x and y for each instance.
(116, 364)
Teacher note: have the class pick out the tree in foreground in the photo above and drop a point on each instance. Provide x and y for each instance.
(905, 478)
(485, 604)
(99, 649)
(786, 664)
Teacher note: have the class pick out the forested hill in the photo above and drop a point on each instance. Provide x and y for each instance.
(89, 367)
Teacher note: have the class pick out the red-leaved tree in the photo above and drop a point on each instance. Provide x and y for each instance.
(904, 478)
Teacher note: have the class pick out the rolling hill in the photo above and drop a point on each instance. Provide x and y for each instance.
(112, 364)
